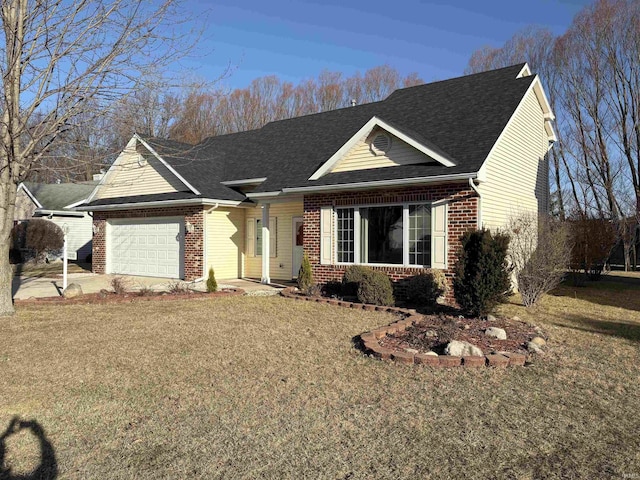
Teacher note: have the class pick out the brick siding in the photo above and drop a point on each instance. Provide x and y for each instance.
(193, 242)
(462, 216)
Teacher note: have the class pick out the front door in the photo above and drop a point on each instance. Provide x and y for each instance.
(298, 248)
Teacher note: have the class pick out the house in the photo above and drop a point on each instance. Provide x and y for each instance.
(391, 184)
(55, 202)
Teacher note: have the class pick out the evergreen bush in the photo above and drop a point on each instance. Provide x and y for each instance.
(212, 285)
(482, 276)
(305, 275)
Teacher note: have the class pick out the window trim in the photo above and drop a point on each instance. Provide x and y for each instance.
(356, 233)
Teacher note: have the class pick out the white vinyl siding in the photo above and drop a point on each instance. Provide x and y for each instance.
(138, 172)
(225, 242)
(281, 262)
(361, 157)
(516, 172)
(80, 236)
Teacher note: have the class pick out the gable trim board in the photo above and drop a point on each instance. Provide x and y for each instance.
(366, 129)
(23, 187)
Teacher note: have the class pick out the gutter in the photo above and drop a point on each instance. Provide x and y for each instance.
(204, 242)
(161, 203)
(61, 213)
(382, 183)
(475, 189)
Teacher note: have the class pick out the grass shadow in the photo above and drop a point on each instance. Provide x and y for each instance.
(48, 467)
(620, 329)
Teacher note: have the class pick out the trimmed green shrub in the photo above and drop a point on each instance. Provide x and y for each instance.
(352, 278)
(375, 288)
(426, 287)
(212, 285)
(305, 275)
(482, 276)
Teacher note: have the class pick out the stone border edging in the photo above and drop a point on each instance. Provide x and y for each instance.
(410, 317)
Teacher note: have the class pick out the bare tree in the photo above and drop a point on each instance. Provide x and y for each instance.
(58, 60)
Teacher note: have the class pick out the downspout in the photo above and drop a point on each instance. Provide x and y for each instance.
(475, 189)
(204, 243)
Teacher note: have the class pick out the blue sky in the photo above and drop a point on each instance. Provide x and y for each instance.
(296, 40)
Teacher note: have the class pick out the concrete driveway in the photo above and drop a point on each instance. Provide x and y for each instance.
(38, 287)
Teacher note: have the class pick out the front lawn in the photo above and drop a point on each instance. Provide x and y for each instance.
(254, 387)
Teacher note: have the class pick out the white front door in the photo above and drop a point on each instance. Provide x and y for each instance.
(298, 248)
(150, 247)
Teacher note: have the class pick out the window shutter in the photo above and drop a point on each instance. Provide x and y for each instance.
(326, 230)
(439, 236)
(273, 236)
(251, 237)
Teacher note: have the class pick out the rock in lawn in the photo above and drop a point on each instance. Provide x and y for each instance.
(516, 318)
(534, 348)
(73, 290)
(541, 342)
(496, 332)
(462, 349)
(491, 318)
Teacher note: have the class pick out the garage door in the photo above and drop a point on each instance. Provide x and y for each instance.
(149, 247)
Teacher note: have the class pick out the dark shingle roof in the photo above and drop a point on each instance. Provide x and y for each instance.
(461, 118)
(56, 196)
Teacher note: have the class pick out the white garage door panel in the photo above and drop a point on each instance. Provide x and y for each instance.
(148, 247)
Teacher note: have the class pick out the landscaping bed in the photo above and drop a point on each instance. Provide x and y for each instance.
(106, 296)
(434, 333)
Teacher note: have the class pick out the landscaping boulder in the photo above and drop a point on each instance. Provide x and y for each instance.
(496, 332)
(73, 290)
(462, 349)
(534, 348)
(433, 354)
(491, 318)
(541, 342)
(431, 333)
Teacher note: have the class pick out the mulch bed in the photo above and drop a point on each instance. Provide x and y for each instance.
(105, 297)
(436, 331)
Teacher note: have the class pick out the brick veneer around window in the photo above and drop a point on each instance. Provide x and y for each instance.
(193, 242)
(462, 216)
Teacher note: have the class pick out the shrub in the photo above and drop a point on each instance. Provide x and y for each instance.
(481, 273)
(592, 239)
(212, 285)
(305, 275)
(333, 288)
(178, 288)
(426, 287)
(352, 278)
(539, 251)
(145, 291)
(120, 285)
(42, 237)
(375, 288)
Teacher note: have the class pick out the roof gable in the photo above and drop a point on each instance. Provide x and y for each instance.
(139, 170)
(363, 137)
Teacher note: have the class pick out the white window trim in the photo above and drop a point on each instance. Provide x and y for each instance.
(356, 234)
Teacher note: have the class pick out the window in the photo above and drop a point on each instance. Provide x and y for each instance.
(346, 238)
(387, 235)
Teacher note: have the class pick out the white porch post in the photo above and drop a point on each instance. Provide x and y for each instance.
(265, 244)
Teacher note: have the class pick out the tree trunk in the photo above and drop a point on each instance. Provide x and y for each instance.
(7, 207)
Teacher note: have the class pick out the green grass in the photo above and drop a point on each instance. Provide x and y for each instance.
(271, 388)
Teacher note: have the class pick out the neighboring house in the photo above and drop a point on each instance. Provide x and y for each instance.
(55, 202)
(391, 184)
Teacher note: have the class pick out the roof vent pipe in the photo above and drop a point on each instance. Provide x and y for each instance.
(353, 102)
